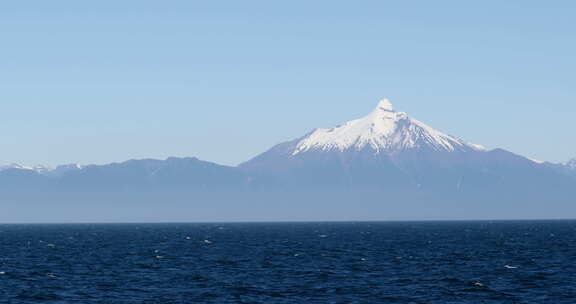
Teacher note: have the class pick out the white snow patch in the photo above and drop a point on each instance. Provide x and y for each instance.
(384, 129)
(477, 147)
(41, 169)
(37, 168)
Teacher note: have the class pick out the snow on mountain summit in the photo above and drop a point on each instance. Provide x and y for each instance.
(385, 105)
(43, 170)
(383, 130)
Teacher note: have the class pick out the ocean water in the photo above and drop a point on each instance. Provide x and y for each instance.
(408, 262)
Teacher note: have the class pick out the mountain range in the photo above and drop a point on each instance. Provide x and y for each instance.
(386, 157)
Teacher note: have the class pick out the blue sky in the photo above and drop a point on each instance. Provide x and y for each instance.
(103, 81)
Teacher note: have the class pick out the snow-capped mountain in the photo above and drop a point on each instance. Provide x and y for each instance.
(391, 152)
(383, 136)
(384, 130)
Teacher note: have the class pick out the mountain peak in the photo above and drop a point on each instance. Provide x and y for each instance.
(385, 105)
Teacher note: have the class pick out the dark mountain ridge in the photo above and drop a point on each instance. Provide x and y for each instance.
(386, 157)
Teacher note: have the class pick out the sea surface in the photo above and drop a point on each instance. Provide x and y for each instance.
(376, 262)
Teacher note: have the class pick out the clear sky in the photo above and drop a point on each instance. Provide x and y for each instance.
(103, 81)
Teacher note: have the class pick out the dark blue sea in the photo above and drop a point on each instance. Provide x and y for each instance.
(378, 262)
